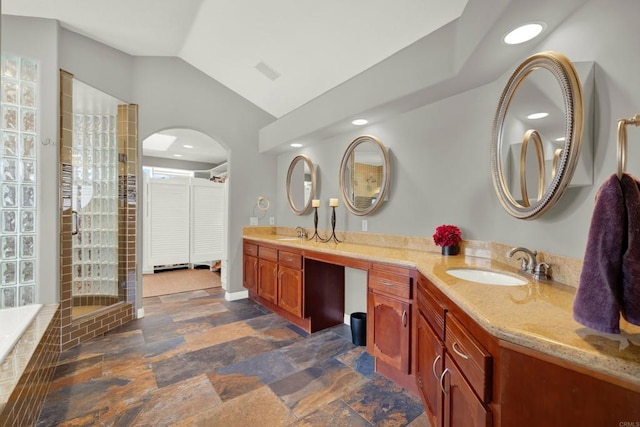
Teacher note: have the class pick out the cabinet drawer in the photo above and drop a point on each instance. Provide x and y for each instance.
(474, 361)
(268, 253)
(432, 310)
(290, 259)
(251, 249)
(390, 284)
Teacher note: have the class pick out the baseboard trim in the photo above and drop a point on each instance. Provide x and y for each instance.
(347, 319)
(234, 296)
(140, 313)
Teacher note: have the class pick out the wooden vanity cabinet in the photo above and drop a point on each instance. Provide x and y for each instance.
(453, 370)
(268, 274)
(539, 390)
(250, 267)
(290, 283)
(462, 408)
(275, 276)
(390, 322)
(429, 362)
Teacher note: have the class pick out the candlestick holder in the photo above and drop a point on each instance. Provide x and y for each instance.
(315, 225)
(333, 227)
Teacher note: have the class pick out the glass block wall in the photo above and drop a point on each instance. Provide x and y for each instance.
(95, 205)
(18, 173)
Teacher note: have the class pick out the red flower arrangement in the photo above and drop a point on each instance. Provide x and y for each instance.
(447, 235)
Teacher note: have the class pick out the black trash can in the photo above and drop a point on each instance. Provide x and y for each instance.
(359, 328)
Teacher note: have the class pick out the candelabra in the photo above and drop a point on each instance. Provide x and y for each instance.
(333, 226)
(315, 224)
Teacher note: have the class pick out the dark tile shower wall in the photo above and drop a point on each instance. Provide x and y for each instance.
(127, 199)
(88, 327)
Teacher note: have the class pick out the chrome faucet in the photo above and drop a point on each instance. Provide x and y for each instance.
(530, 264)
(301, 232)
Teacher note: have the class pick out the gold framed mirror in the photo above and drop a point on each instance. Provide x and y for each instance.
(537, 134)
(301, 184)
(364, 175)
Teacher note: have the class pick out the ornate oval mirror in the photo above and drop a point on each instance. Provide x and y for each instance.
(364, 175)
(536, 134)
(301, 184)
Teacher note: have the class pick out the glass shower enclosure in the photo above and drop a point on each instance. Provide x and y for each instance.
(18, 174)
(94, 200)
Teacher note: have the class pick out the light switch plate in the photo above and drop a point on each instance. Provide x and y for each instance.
(365, 225)
(272, 220)
(253, 220)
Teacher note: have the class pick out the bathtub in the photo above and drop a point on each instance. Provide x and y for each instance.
(13, 322)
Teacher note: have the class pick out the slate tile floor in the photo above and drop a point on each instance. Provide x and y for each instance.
(198, 360)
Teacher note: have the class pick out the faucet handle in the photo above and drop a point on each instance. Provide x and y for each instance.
(301, 232)
(541, 271)
(523, 263)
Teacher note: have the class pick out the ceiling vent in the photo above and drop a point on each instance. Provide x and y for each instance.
(267, 70)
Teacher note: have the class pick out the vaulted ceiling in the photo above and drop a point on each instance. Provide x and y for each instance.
(279, 54)
(316, 66)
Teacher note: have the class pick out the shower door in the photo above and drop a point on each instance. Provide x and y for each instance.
(95, 212)
(98, 197)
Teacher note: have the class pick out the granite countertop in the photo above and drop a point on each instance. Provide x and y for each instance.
(537, 315)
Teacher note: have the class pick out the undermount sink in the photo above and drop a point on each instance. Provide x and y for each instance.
(486, 277)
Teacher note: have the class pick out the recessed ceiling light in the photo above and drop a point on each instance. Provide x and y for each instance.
(187, 146)
(177, 155)
(296, 145)
(523, 33)
(360, 122)
(561, 139)
(536, 116)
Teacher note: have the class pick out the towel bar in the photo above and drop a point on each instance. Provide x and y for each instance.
(622, 141)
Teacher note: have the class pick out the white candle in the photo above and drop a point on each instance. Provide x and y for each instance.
(315, 203)
(333, 203)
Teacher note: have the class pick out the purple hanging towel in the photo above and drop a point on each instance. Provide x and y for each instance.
(597, 302)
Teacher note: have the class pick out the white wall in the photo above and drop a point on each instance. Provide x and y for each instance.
(440, 152)
(172, 94)
(38, 39)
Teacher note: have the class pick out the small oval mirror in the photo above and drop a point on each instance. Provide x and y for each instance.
(364, 175)
(536, 134)
(301, 184)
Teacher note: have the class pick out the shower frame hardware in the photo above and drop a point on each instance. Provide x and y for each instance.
(622, 142)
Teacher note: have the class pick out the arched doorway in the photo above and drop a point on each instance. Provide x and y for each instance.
(184, 210)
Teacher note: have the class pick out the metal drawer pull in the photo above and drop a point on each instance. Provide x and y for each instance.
(288, 259)
(458, 352)
(433, 367)
(404, 319)
(442, 381)
(384, 282)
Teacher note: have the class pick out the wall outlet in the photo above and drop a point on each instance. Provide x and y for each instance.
(253, 220)
(365, 225)
(272, 220)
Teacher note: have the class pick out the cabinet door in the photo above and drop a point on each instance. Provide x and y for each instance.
(268, 280)
(250, 273)
(290, 290)
(461, 406)
(391, 325)
(429, 366)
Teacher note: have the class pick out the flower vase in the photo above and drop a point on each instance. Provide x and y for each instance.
(451, 250)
